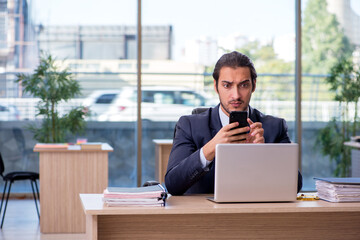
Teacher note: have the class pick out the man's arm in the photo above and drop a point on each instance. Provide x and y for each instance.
(283, 136)
(184, 166)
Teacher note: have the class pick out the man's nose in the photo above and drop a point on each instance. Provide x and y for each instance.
(235, 93)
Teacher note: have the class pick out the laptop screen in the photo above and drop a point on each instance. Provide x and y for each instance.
(256, 172)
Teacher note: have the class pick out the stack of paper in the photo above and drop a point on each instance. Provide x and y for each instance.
(51, 145)
(139, 196)
(338, 189)
(91, 146)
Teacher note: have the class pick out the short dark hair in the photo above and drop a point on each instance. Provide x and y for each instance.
(234, 60)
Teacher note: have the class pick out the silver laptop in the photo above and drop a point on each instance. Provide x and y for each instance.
(256, 172)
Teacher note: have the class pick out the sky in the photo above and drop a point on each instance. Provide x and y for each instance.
(191, 19)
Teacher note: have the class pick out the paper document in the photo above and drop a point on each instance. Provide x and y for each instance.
(338, 189)
(139, 196)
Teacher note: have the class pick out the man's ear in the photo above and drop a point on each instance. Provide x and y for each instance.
(254, 87)
(215, 87)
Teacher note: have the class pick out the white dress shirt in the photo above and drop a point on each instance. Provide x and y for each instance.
(224, 119)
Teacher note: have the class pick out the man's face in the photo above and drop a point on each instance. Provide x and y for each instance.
(234, 89)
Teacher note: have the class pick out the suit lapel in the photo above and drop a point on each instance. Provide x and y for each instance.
(253, 115)
(215, 123)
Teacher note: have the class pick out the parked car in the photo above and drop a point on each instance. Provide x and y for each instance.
(158, 103)
(9, 113)
(99, 101)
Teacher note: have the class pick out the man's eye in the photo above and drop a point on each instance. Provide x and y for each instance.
(245, 85)
(226, 85)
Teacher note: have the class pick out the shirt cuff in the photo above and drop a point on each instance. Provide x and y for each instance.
(205, 163)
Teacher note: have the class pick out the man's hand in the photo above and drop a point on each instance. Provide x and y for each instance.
(227, 134)
(256, 134)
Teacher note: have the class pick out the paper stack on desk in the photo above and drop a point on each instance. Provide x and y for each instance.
(91, 146)
(338, 189)
(138, 196)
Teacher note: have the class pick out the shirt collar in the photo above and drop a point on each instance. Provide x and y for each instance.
(224, 118)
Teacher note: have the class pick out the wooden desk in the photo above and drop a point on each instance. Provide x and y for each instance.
(162, 153)
(353, 144)
(195, 217)
(63, 175)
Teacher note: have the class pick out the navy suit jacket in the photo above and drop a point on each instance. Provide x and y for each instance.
(185, 173)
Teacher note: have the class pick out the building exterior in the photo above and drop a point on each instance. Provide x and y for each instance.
(207, 50)
(203, 50)
(105, 42)
(104, 57)
(95, 74)
(17, 44)
(349, 20)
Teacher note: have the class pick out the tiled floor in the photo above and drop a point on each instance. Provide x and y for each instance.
(22, 223)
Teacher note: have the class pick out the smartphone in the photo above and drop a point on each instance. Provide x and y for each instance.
(240, 117)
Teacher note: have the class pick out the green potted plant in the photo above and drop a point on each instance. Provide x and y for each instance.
(53, 85)
(344, 80)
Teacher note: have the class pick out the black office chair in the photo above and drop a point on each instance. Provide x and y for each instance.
(198, 110)
(194, 111)
(17, 176)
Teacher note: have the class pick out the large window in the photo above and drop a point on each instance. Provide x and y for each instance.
(204, 30)
(181, 42)
(329, 32)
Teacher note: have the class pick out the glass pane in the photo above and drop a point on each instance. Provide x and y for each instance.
(96, 41)
(199, 33)
(330, 32)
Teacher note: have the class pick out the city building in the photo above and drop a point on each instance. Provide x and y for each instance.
(17, 43)
(95, 74)
(105, 42)
(349, 20)
(203, 50)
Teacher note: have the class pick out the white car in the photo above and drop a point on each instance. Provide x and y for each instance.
(99, 101)
(9, 113)
(158, 103)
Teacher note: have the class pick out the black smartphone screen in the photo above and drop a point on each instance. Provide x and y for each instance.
(240, 117)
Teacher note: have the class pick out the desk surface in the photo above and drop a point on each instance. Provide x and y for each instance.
(104, 147)
(195, 217)
(198, 204)
(352, 144)
(163, 141)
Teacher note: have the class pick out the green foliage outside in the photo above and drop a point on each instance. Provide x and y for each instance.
(265, 58)
(323, 41)
(344, 80)
(53, 86)
(208, 79)
(325, 78)
(266, 61)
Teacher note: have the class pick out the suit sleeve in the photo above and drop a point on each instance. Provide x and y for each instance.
(184, 166)
(283, 133)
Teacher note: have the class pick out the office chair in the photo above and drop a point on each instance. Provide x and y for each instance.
(194, 111)
(13, 177)
(198, 110)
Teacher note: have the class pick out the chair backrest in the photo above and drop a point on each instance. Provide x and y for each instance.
(194, 111)
(198, 110)
(2, 168)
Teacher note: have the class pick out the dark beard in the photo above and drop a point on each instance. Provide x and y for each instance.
(227, 110)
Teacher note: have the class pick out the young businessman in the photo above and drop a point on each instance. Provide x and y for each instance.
(190, 168)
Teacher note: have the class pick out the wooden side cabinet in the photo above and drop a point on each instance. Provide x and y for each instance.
(64, 174)
(162, 153)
